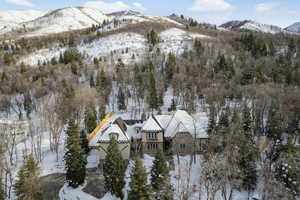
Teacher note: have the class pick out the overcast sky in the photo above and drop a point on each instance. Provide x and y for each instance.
(278, 12)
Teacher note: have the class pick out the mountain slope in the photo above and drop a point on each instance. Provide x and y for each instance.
(19, 16)
(294, 27)
(57, 21)
(124, 18)
(11, 19)
(129, 46)
(252, 26)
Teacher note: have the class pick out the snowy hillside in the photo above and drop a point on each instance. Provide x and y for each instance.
(18, 16)
(130, 47)
(122, 44)
(175, 40)
(294, 27)
(252, 26)
(123, 18)
(61, 20)
(41, 56)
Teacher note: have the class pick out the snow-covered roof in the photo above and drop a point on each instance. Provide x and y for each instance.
(109, 127)
(114, 128)
(152, 125)
(163, 120)
(180, 121)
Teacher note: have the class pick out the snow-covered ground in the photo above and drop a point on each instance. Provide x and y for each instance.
(42, 56)
(117, 45)
(175, 40)
(130, 47)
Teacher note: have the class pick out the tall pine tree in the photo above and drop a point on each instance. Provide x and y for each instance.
(90, 119)
(274, 125)
(2, 194)
(160, 177)
(121, 100)
(27, 186)
(75, 158)
(211, 122)
(84, 142)
(113, 169)
(153, 99)
(139, 189)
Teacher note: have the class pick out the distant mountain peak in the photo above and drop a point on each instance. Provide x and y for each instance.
(251, 25)
(294, 27)
(124, 12)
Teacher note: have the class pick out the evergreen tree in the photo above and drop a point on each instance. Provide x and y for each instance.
(61, 58)
(103, 84)
(121, 100)
(92, 81)
(113, 169)
(247, 122)
(223, 129)
(139, 189)
(74, 69)
(152, 37)
(160, 177)
(90, 119)
(173, 106)
(4, 76)
(28, 104)
(274, 125)
(153, 99)
(8, 58)
(102, 110)
(2, 194)
(247, 164)
(288, 168)
(198, 46)
(223, 121)
(84, 142)
(170, 68)
(27, 186)
(75, 158)
(211, 122)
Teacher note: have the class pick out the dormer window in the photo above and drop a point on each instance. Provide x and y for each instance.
(114, 135)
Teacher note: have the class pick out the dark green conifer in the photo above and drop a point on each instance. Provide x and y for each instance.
(113, 169)
(160, 177)
(27, 186)
(139, 188)
(75, 158)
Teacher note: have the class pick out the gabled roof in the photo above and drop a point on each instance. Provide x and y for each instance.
(152, 125)
(102, 133)
(180, 122)
(163, 120)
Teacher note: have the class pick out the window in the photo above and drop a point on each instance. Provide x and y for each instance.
(182, 146)
(152, 136)
(114, 135)
(152, 146)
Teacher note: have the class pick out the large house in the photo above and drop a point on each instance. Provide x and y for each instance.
(176, 133)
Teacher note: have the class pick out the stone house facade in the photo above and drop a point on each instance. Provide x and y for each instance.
(175, 133)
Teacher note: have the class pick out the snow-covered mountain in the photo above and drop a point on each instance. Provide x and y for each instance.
(294, 27)
(11, 19)
(61, 20)
(252, 26)
(19, 16)
(122, 19)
